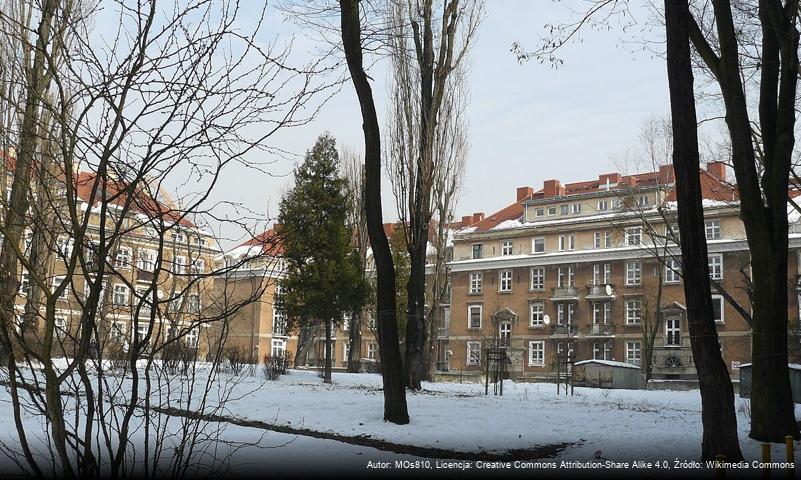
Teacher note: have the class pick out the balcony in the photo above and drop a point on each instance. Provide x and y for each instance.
(564, 294)
(602, 291)
(601, 330)
(564, 330)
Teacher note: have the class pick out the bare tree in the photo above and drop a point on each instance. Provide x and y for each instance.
(717, 395)
(429, 42)
(395, 409)
(174, 98)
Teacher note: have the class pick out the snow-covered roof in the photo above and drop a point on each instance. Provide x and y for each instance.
(609, 363)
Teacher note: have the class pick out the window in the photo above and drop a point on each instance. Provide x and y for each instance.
(371, 351)
(278, 347)
(565, 313)
(576, 208)
(191, 338)
(551, 210)
(561, 243)
(643, 201)
(473, 353)
(199, 266)
(717, 308)
(178, 264)
(607, 239)
(199, 241)
(538, 245)
(601, 351)
(57, 281)
(633, 272)
(505, 334)
(537, 278)
(118, 331)
(540, 212)
(537, 310)
(474, 316)
(65, 246)
(601, 274)
(505, 284)
(279, 320)
(596, 240)
(120, 295)
(193, 303)
(716, 267)
(123, 258)
(603, 205)
(567, 242)
(61, 327)
(536, 354)
(475, 282)
(672, 232)
(478, 250)
(712, 229)
(506, 247)
(672, 270)
(564, 209)
(25, 283)
(565, 276)
(571, 242)
(633, 353)
(616, 203)
(633, 236)
(345, 351)
(601, 313)
(633, 311)
(147, 260)
(672, 332)
(179, 237)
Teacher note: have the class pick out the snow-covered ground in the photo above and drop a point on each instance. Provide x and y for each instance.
(619, 425)
(622, 424)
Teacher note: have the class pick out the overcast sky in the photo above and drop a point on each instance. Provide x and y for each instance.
(528, 123)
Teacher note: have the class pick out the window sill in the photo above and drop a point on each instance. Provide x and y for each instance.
(633, 284)
(474, 294)
(537, 327)
(505, 292)
(638, 324)
(536, 365)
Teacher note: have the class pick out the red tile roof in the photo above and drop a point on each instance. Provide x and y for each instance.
(269, 241)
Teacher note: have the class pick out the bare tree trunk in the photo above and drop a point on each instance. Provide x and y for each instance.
(355, 342)
(395, 409)
(717, 396)
(327, 371)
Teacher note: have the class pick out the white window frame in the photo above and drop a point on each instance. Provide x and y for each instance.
(473, 353)
(633, 272)
(632, 236)
(596, 241)
(534, 242)
(537, 273)
(122, 259)
(505, 281)
(715, 266)
(278, 347)
(479, 250)
(147, 260)
(470, 308)
(371, 350)
(61, 326)
(476, 279)
(672, 270)
(603, 205)
(507, 247)
(536, 353)
(722, 302)
(120, 288)
(633, 352)
(56, 282)
(536, 313)
(634, 311)
(575, 208)
(712, 229)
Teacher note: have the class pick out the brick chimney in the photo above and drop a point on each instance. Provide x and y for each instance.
(610, 178)
(523, 192)
(717, 170)
(666, 174)
(477, 217)
(466, 220)
(552, 188)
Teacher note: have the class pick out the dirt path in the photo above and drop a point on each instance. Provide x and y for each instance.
(539, 452)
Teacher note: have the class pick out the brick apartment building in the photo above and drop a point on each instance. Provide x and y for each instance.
(572, 268)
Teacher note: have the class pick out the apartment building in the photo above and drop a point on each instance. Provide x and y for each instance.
(155, 253)
(573, 269)
(252, 278)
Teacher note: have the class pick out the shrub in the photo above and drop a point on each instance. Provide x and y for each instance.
(276, 366)
(236, 358)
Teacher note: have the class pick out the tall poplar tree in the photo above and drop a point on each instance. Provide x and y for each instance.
(323, 280)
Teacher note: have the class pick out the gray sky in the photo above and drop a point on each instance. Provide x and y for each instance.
(528, 123)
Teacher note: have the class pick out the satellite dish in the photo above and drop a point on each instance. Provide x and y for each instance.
(609, 290)
(546, 319)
